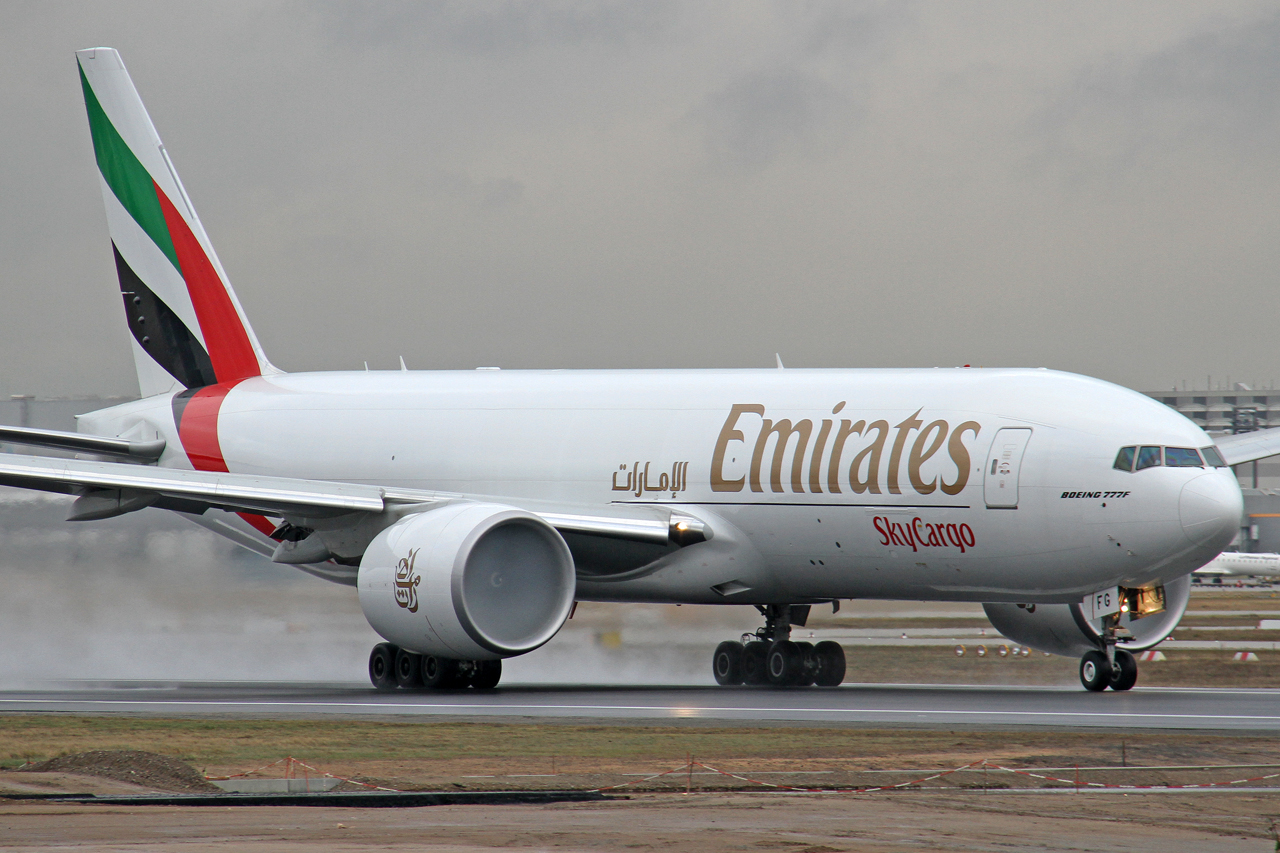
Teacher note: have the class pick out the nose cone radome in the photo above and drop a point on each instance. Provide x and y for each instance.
(1211, 508)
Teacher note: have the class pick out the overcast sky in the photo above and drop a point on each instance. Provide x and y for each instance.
(1086, 186)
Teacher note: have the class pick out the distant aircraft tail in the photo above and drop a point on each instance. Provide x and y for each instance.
(188, 328)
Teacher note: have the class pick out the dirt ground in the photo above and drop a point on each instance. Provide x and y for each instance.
(710, 822)
(694, 809)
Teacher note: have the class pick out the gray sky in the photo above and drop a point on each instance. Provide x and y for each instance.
(1086, 186)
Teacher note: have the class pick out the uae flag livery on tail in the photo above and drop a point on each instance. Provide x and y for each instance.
(190, 335)
(188, 328)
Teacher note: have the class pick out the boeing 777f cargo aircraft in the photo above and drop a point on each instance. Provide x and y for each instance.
(471, 509)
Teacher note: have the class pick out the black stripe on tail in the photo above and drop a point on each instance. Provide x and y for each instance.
(161, 332)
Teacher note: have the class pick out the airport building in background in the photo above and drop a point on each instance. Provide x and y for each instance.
(1231, 411)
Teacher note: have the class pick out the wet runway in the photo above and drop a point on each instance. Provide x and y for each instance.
(928, 706)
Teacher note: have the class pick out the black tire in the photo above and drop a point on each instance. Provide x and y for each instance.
(382, 666)
(783, 663)
(1125, 673)
(807, 674)
(753, 661)
(726, 663)
(486, 675)
(831, 665)
(440, 672)
(1095, 671)
(408, 670)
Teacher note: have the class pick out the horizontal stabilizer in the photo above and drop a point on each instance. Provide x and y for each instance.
(1249, 446)
(59, 440)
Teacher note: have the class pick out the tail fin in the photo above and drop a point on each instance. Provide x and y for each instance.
(188, 327)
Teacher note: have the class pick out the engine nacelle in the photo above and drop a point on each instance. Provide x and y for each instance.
(1063, 629)
(470, 581)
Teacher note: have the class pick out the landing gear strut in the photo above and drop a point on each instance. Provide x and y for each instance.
(1109, 666)
(391, 667)
(769, 656)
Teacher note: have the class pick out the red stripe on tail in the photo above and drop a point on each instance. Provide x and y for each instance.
(224, 334)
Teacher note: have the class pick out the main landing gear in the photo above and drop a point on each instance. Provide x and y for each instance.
(1109, 666)
(391, 667)
(770, 657)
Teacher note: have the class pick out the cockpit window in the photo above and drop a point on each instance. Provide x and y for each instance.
(1182, 457)
(1148, 457)
(1213, 457)
(1124, 459)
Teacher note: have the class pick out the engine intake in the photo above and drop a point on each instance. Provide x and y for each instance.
(470, 581)
(1063, 629)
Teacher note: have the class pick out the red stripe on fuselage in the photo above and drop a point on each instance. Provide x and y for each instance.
(260, 523)
(224, 334)
(198, 429)
(198, 432)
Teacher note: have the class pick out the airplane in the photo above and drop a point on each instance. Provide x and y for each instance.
(472, 509)
(1243, 564)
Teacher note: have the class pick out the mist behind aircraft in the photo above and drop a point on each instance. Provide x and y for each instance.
(1086, 186)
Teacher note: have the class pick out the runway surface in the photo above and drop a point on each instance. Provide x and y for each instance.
(929, 706)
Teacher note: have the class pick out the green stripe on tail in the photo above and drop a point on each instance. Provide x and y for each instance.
(126, 176)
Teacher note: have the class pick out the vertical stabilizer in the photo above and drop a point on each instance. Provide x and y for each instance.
(188, 328)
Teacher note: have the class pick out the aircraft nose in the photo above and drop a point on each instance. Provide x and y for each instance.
(1210, 508)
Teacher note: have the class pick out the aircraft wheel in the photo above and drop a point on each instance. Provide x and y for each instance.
(408, 670)
(783, 663)
(753, 663)
(1095, 671)
(382, 666)
(1125, 673)
(487, 674)
(440, 672)
(807, 673)
(830, 664)
(726, 663)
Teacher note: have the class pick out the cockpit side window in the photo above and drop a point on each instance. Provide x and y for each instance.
(1148, 457)
(1182, 457)
(1124, 459)
(1213, 457)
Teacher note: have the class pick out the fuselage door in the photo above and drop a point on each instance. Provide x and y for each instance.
(1003, 462)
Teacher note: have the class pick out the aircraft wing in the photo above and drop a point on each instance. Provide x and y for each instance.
(106, 489)
(1248, 446)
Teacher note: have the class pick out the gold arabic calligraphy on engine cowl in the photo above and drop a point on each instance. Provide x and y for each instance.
(407, 581)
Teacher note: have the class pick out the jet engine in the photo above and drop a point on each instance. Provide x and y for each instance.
(1149, 615)
(469, 581)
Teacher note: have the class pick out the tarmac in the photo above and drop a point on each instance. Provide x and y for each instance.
(924, 706)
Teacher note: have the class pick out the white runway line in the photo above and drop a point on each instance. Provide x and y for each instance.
(995, 715)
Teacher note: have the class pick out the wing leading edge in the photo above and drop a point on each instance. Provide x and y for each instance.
(106, 489)
(1249, 446)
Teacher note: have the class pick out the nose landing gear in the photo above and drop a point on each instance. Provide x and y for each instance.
(770, 657)
(1109, 666)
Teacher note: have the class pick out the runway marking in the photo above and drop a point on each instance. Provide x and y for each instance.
(994, 713)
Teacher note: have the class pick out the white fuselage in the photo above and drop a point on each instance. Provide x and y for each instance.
(890, 484)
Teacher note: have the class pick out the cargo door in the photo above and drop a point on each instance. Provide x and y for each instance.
(1000, 487)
